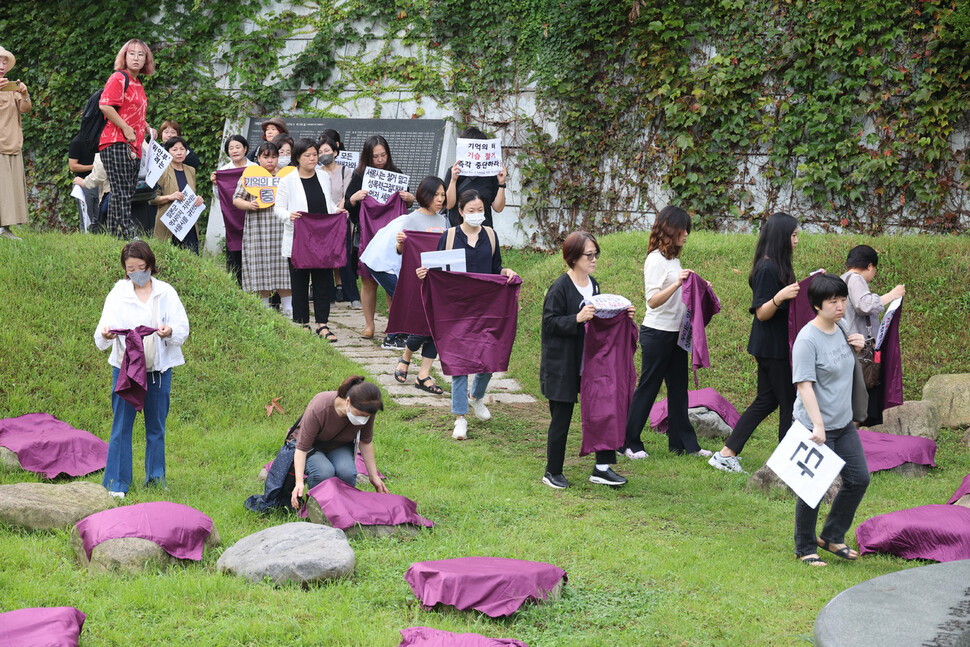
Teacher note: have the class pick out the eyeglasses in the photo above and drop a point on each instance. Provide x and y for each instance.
(592, 255)
(136, 54)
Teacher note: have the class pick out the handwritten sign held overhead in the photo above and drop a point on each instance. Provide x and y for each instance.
(479, 157)
(158, 161)
(183, 214)
(383, 184)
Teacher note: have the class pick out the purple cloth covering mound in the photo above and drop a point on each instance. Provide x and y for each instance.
(319, 241)
(46, 626)
(937, 532)
(962, 491)
(472, 319)
(428, 637)
(373, 217)
(609, 378)
(701, 398)
(886, 451)
(702, 304)
(178, 529)
(46, 446)
(493, 585)
(234, 217)
(358, 463)
(132, 382)
(346, 506)
(407, 315)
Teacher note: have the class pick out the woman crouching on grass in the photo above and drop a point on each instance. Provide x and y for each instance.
(327, 433)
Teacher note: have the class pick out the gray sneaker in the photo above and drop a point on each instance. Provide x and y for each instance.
(6, 233)
(725, 463)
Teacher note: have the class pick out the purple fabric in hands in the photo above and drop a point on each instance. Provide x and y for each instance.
(41, 626)
(373, 217)
(962, 491)
(358, 463)
(607, 384)
(493, 585)
(937, 532)
(407, 315)
(800, 311)
(886, 451)
(345, 506)
(132, 382)
(472, 319)
(428, 637)
(319, 241)
(701, 398)
(702, 304)
(178, 529)
(892, 364)
(234, 217)
(46, 446)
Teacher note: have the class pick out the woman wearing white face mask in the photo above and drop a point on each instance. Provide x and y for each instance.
(326, 433)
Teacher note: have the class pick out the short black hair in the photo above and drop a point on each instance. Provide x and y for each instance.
(172, 141)
(267, 147)
(427, 189)
(472, 133)
(302, 145)
(861, 257)
(824, 287)
(236, 138)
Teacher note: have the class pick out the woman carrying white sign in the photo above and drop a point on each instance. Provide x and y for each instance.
(171, 184)
(491, 188)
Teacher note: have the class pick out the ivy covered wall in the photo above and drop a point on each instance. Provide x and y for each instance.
(848, 115)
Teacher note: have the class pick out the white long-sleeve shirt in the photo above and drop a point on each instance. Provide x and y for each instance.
(659, 273)
(290, 196)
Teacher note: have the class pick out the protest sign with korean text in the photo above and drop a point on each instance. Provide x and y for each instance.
(158, 161)
(805, 467)
(479, 157)
(76, 192)
(183, 214)
(350, 159)
(381, 184)
(449, 260)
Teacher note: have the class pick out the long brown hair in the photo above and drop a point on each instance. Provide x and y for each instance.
(363, 395)
(670, 222)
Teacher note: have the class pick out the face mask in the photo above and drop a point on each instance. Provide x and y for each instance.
(284, 160)
(140, 278)
(356, 420)
(325, 160)
(474, 219)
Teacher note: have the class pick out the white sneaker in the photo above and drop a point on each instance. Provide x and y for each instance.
(725, 463)
(703, 453)
(481, 411)
(355, 305)
(461, 429)
(6, 233)
(117, 495)
(635, 456)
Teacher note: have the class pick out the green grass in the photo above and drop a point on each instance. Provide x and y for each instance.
(683, 555)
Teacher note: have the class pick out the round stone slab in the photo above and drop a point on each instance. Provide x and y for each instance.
(929, 605)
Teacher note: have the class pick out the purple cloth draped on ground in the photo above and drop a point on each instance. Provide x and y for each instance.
(47, 626)
(345, 506)
(962, 491)
(702, 304)
(937, 532)
(428, 637)
(800, 311)
(892, 364)
(178, 529)
(493, 585)
(226, 182)
(701, 398)
(358, 463)
(319, 241)
(886, 451)
(472, 319)
(373, 217)
(407, 315)
(609, 378)
(46, 446)
(133, 376)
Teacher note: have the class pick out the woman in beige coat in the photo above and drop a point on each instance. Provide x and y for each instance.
(14, 101)
(171, 185)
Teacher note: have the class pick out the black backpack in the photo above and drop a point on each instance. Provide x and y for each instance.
(93, 120)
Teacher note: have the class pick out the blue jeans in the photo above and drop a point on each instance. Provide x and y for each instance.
(855, 479)
(386, 280)
(459, 391)
(117, 472)
(321, 466)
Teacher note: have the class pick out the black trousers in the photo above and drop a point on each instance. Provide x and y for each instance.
(234, 264)
(662, 361)
(300, 282)
(561, 414)
(775, 391)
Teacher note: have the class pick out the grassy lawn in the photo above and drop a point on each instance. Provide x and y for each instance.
(683, 555)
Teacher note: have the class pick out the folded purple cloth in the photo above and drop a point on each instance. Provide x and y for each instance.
(937, 532)
(609, 378)
(319, 241)
(886, 451)
(41, 626)
(178, 529)
(493, 585)
(45, 445)
(428, 637)
(345, 506)
(233, 216)
(962, 491)
(407, 314)
(132, 384)
(700, 398)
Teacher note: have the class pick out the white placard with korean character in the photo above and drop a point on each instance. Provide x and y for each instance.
(807, 468)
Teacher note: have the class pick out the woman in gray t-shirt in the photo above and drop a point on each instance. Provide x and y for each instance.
(822, 367)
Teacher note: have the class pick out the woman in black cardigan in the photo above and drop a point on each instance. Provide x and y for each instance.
(563, 335)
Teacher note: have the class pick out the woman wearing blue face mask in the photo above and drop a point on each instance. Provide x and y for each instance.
(139, 299)
(333, 423)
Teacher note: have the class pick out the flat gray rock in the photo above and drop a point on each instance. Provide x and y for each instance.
(911, 418)
(129, 554)
(46, 506)
(950, 394)
(9, 461)
(293, 552)
(768, 483)
(929, 606)
(911, 470)
(707, 423)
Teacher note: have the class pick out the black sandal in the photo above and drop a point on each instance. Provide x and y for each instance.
(401, 377)
(434, 388)
(812, 560)
(329, 336)
(845, 552)
(307, 326)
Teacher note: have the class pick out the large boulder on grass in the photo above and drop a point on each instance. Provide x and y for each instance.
(911, 418)
(951, 396)
(707, 423)
(129, 554)
(768, 483)
(46, 506)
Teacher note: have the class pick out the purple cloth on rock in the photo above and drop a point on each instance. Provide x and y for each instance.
(472, 319)
(345, 506)
(892, 364)
(428, 637)
(373, 217)
(46, 446)
(132, 382)
(938, 532)
(886, 451)
(178, 529)
(607, 384)
(41, 626)
(226, 182)
(962, 491)
(701, 398)
(702, 304)
(407, 315)
(493, 585)
(319, 241)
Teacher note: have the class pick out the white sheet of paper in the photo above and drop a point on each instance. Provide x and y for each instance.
(78, 193)
(158, 161)
(182, 215)
(449, 260)
(383, 184)
(807, 468)
(685, 338)
(350, 159)
(887, 319)
(479, 157)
